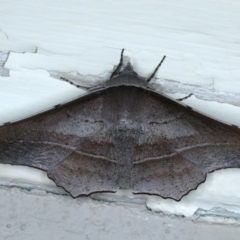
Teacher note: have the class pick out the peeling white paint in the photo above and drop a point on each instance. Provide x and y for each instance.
(201, 40)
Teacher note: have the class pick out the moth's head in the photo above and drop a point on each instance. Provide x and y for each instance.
(127, 77)
(128, 70)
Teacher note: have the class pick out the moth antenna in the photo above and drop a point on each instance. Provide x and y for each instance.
(116, 71)
(74, 84)
(158, 66)
(180, 99)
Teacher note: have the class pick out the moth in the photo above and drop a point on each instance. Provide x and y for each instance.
(122, 135)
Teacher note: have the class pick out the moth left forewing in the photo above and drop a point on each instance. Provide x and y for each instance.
(68, 142)
(30, 143)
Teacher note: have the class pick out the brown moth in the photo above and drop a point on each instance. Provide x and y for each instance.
(125, 135)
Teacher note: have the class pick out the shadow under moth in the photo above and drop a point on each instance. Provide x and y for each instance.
(122, 135)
